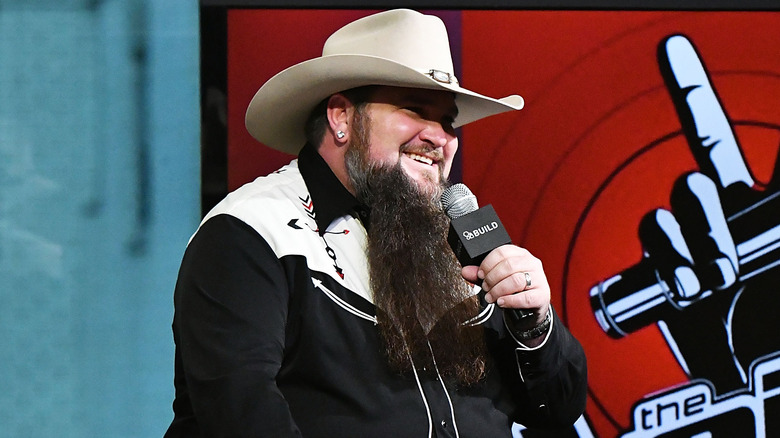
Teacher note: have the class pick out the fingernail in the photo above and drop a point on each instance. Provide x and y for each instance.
(727, 272)
(687, 283)
(500, 302)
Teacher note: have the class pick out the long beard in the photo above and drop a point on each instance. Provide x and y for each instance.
(422, 301)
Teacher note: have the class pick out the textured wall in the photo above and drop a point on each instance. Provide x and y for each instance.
(99, 189)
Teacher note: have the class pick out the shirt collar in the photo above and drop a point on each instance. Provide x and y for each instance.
(329, 197)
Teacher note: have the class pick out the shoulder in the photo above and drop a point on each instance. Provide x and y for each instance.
(263, 196)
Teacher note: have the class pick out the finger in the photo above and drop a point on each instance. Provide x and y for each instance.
(505, 261)
(490, 261)
(517, 282)
(530, 299)
(701, 114)
(664, 244)
(470, 274)
(692, 249)
(498, 254)
(696, 205)
(512, 294)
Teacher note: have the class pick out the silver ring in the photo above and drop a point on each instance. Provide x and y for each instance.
(527, 281)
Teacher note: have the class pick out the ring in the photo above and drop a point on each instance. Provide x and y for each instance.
(527, 281)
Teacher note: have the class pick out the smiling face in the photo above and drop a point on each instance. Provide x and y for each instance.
(413, 128)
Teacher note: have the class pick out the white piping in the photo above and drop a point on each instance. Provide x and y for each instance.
(425, 401)
(343, 304)
(441, 381)
(483, 316)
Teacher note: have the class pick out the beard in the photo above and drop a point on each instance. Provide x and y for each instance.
(421, 298)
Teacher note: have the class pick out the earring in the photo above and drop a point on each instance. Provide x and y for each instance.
(340, 134)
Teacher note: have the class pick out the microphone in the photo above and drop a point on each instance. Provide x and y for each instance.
(474, 231)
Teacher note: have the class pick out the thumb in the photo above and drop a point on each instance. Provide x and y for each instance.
(470, 273)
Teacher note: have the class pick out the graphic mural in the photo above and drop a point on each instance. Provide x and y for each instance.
(708, 273)
(643, 171)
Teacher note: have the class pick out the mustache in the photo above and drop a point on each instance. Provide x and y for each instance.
(423, 149)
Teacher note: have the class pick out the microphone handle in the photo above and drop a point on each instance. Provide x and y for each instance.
(637, 296)
(518, 314)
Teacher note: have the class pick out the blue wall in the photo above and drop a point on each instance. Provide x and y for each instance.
(99, 192)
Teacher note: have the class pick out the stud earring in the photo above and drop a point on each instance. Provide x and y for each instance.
(340, 134)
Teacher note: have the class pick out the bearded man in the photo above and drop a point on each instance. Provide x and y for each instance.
(324, 301)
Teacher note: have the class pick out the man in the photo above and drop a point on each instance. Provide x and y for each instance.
(323, 299)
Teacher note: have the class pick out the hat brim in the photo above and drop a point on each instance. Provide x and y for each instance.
(277, 113)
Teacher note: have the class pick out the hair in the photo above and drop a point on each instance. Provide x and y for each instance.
(317, 123)
(420, 296)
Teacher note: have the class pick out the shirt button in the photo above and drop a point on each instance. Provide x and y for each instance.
(443, 423)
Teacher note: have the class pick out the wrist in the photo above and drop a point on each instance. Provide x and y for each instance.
(529, 333)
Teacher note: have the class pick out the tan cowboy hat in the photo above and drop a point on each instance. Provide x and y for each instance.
(399, 47)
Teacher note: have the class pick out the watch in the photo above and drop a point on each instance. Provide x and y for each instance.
(537, 331)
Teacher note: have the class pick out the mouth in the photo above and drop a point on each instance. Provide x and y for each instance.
(430, 161)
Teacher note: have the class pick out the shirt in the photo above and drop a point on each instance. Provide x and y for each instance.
(276, 336)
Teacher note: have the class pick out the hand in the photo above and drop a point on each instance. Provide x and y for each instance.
(721, 232)
(503, 278)
(692, 249)
(692, 246)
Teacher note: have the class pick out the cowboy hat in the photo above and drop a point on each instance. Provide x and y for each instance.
(399, 47)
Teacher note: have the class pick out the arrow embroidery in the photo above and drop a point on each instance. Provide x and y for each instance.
(294, 224)
(343, 304)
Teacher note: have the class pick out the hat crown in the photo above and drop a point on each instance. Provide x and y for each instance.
(404, 36)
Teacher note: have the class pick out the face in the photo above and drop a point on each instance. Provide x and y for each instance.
(413, 128)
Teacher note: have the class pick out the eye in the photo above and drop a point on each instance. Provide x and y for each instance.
(414, 109)
(447, 123)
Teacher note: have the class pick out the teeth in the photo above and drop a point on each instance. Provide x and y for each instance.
(421, 159)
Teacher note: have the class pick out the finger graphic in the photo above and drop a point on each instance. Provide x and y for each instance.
(664, 244)
(698, 210)
(701, 114)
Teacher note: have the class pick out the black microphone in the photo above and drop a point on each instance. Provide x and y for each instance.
(474, 231)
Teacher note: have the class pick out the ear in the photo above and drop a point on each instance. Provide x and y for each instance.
(339, 113)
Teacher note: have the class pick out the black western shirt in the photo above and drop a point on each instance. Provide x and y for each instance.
(276, 335)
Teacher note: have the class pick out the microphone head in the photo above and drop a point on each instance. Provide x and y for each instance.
(457, 200)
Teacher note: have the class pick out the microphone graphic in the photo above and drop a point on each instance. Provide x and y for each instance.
(474, 231)
(638, 296)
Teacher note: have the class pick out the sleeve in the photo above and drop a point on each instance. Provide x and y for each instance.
(231, 304)
(552, 378)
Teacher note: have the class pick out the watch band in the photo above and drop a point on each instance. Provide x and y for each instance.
(537, 331)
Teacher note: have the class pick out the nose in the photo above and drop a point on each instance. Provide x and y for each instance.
(436, 134)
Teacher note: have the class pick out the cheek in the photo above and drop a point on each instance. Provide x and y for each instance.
(445, 171)
(449, 156)
(385, 142)
(380, 151)
(380, 154)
